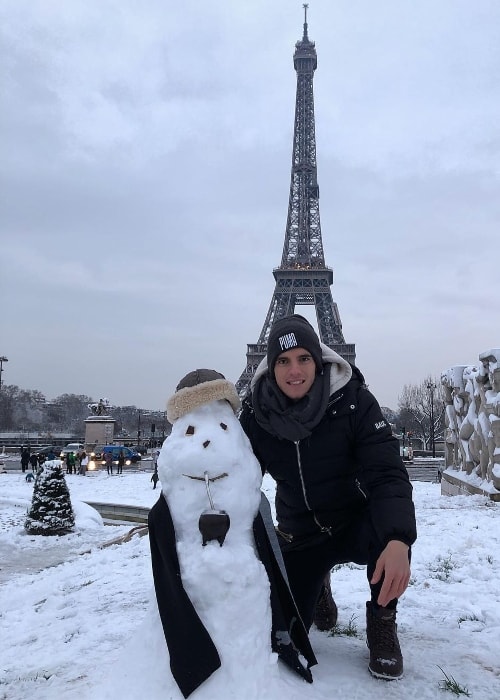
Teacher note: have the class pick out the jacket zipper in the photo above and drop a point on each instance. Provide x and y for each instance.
(358, 486)
(299, 464)
(334, 401)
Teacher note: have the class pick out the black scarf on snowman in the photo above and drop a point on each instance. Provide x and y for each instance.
(193, 655)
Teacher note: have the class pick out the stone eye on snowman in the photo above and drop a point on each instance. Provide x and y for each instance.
(209, 596)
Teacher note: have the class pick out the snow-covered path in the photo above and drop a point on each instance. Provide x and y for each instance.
(63, 629)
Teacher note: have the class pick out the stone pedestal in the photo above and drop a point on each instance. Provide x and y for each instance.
(455, 483)
(99, 430)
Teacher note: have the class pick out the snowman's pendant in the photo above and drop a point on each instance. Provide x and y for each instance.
(213, 523)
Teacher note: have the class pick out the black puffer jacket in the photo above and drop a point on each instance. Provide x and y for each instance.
(349, 463)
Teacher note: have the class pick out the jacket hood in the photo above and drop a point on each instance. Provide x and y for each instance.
(340, 373)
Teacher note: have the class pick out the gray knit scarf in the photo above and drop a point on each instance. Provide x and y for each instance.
(290, 420)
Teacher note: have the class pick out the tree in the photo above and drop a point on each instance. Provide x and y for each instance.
(23, 410)
(72, 411)
(51, 512)
(390, 415)
(421, 410)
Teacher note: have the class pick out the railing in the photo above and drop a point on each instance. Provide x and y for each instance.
(425, 472)
(116, 511)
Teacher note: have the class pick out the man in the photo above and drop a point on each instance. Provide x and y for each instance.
(25, 458)
(108, 461)
(342, 494)
(34, 461)
(121, 462)
(70, 463)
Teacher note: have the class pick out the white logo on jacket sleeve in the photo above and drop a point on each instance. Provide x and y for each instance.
(380, 424)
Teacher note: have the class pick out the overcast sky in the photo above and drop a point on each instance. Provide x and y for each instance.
(145, 168)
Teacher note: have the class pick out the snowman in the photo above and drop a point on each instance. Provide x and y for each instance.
(222, 597)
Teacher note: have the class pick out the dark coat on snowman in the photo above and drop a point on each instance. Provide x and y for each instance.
(194, 655)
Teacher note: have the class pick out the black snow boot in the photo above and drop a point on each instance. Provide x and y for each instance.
(386, 660)
(325, 613)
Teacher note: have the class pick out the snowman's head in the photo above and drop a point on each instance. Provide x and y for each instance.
(207, 437)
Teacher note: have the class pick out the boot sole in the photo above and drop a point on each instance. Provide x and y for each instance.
(385, 677)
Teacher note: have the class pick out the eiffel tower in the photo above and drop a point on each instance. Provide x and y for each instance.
(303, 277)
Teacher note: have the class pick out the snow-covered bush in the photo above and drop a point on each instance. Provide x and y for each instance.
(51, 512)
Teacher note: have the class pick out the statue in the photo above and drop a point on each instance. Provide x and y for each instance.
(453, 384)
(490, 386)
(472, 417)
(99, 426)
(100, 408)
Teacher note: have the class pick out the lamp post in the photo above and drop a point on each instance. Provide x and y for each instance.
(431, 388)
(2, 360)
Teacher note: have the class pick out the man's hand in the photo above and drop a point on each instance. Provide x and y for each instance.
(394, 565)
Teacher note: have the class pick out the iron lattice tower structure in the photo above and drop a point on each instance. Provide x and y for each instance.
(303, 277)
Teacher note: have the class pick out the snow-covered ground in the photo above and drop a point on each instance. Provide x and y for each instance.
(69, 609)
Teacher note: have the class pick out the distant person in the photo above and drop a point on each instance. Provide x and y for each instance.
(41, 459)
(29, 477)
(70, 463)
(84, 460)
(33, 461)
(51, 455)
(155, 478)
(25, 458)
(121, 462)
(108, 461)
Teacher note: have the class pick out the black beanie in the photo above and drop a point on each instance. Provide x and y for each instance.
(293, 332)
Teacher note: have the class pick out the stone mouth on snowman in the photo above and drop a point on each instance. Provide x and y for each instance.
(214, 522)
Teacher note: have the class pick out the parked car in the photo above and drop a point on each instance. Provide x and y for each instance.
(47, 449)
(96, 452)
(75, 447)
(97, 455)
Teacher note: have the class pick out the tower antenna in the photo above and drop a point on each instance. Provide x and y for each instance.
(305, 6)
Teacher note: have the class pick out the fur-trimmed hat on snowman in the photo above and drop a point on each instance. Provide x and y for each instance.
(199, 387)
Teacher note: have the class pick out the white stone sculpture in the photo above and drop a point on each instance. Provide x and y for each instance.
(472, 417)
(455, 402)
